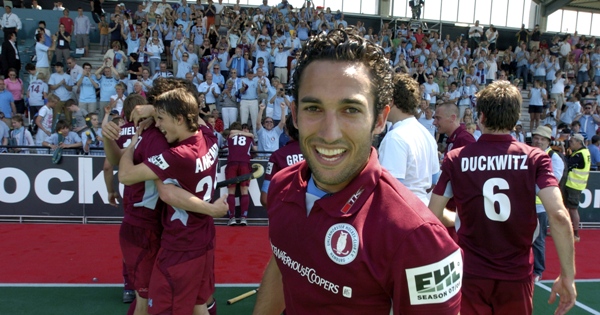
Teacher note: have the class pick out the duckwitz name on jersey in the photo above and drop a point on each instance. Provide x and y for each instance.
(494, 163)
(207, 160)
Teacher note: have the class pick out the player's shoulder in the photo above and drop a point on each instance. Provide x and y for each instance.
(285, 176)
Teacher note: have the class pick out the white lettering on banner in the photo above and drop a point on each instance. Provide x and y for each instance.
(587, 198)
(42, 186)
(309, 273)
(90, 185)
(22, 181)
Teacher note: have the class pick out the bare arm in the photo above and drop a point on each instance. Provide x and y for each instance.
(261, 109)
(113, 194)
(270, 299)
(437, 205)
(562, 234)
(183, 199)
(128, 172)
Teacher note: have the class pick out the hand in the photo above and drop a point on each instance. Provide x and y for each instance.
(62, 145)
(47, 132)
(140, 112)
(219, 208)
(53, 147)
(146, 123)
(111, 131)
(565, 288)
(262, 106)
(114, 198)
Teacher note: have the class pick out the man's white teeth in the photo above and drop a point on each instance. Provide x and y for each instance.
(330, 152)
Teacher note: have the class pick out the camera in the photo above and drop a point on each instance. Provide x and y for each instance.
(555, 143)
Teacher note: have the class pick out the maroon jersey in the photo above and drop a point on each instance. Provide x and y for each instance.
(285, 156)
(239, 148)
(140, 197)
(360, 250)
(127, 132)
(459, 138)
(494, 183)
(191, 165)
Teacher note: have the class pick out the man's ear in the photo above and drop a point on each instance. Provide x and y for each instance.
(381, 119)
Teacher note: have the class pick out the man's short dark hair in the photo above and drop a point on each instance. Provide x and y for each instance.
(406, 95)
(162, 85)
(595, 139)
(179, 102)
(292, 131)
(131, 102)
(347, 45)
(500, 103)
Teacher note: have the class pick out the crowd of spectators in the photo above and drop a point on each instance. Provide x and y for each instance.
(240, 58)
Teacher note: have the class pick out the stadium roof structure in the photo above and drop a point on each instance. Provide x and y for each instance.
(550, 6)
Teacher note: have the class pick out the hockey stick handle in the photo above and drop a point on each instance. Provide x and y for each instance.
(257, 171)
(242, 296)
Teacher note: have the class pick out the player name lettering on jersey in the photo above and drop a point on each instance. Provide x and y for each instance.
(128, 131)
(294, 158)
(206, 161)
(437, 282)
(309, 273)
(494, 163)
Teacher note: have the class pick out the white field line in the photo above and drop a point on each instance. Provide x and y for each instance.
(580, 305)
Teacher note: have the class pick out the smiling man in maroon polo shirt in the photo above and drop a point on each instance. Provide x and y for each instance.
(346, 236)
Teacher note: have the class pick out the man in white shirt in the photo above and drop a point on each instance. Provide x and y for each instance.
(281, 56)
(408, 151)
(475, 33)
(433, 89)
(211, 91)
(11, 23)
(573, 109)
(45, 120)
(467, 93)
(42, 64)
(60, 84)
(74, 71)
(558, 89)
(37, 91)
(82, 31)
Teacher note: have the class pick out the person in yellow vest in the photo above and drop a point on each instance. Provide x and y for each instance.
(579, 171)
(541, 139)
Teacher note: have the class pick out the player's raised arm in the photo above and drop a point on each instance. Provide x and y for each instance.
(130, 173)
(183, 199)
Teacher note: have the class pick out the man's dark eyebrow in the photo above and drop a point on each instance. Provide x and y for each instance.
(310, 99)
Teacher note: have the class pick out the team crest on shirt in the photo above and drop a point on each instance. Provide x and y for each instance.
(341, 243)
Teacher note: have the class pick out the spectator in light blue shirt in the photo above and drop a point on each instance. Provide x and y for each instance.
(87, 86)
(107, 82)
(594, 153)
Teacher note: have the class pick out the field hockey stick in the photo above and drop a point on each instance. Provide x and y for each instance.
(257, 171)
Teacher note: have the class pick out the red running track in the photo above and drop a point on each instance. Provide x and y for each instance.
(71, 253)
(77, 253)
